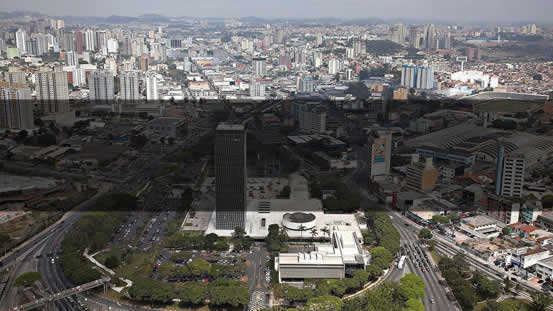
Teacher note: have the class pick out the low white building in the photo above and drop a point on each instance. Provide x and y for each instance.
(328, 261)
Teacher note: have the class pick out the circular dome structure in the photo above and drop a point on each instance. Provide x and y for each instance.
(294, 221)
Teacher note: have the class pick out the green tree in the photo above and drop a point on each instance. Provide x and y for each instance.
(224, 292)
(425, 234)
(112, 261)
(413, 305)
(27, 279)
(412, 286)
(540, 302)
(324, 303)
(193, 293)
(440, 219)
(381, 257)
(506, 230)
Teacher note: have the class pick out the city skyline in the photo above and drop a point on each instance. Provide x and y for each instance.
(493, 11)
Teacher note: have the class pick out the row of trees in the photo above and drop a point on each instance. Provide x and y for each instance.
(405, 295)
(220, 293)
(319, 288)
(200, 269)
(385, 237)
(93, 231)
(467, 290)
(344, 200)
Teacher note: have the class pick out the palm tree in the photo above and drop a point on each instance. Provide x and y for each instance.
(301, 228)
(326, 231)
(283, 234)
(314, 233)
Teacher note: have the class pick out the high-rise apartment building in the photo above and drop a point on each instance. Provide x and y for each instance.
(151, 86)
(257, 89)
(72, 59)
(16, 108)
(20, 40)
(306, 85)
(258, 65)
(128, 84)
(52, 92)
(231, 176)
(512, 175)
(100, 84)
(417, 77)
(79, 44)
(334, 66)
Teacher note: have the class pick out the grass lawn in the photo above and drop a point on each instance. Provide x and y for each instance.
(517, 304)
(115, 296)
(435, 256)
(138, 264)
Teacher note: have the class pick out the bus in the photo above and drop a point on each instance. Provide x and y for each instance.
(401, 261)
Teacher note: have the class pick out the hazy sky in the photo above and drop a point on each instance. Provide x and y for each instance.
(454, 10)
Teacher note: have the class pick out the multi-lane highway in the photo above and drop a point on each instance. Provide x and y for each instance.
(435, 293)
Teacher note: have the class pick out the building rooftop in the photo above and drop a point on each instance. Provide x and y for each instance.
(479, 221)
(230, 127)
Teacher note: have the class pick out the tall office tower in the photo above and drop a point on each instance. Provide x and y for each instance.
(414, 39)
(417, 77)
(2, 45)
(100, 84)
(257, 89)
(79, 44)
(151, 86)
(53, 92)
(16, 108)
(128, 84)
(356, 47)
(512, 177)
(306, 85)
(71, 58)
(89, 40)
(258, 65)
(381, 153)
(430, 37)
(230, 176)
(20, 39)
(421, 176)
(499, 169)
(334, 66)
